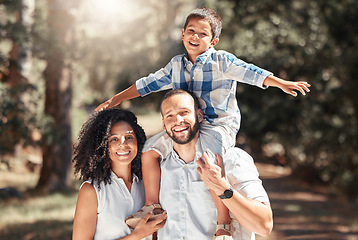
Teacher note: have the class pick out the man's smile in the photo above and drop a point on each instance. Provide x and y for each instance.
(180, 128)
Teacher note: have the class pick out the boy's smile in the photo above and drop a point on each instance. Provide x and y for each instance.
(197, 37)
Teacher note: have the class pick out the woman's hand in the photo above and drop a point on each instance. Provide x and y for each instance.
(146, 227)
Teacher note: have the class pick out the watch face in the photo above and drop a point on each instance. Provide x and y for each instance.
(228, 193)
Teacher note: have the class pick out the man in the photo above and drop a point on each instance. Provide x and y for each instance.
(186, 179)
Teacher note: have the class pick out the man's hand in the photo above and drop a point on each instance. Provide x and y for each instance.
(213, 175)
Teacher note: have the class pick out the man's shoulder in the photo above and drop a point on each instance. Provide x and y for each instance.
(237, 161)
(238, 155)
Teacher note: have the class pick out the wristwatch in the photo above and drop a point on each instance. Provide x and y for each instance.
(227, 193)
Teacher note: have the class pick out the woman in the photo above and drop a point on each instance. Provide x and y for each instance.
(107, 158)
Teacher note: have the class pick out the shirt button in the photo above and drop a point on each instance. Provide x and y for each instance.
(182, 213)
(182, 188)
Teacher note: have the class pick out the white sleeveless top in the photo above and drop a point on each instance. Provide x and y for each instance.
(115, 204)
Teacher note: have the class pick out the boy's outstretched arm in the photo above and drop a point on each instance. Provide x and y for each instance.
(126, 94)
(287, 86)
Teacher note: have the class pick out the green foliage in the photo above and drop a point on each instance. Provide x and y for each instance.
(16, 121)
(11, 5)
(314, 41)
(20, 117)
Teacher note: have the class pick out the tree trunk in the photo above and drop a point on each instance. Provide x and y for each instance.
(57, 153)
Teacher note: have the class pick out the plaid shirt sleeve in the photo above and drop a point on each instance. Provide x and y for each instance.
(238, 70)
(155, 82)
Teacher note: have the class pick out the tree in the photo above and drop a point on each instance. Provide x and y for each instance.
(16, 123)
(314, 41)
(57, 150)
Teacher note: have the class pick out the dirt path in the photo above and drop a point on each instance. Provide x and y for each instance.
(305, 212)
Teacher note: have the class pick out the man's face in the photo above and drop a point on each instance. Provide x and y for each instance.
(180, 120)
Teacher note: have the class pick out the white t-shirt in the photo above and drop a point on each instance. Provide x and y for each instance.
(115, 204)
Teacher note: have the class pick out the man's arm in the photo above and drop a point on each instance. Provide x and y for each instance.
(126, 94)
(287, 86)
(253, 215)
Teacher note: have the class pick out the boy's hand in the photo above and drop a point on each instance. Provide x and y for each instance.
(107, 104)
(127, 94)
(289, 87)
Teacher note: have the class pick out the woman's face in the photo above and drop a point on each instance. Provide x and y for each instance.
(122, 143)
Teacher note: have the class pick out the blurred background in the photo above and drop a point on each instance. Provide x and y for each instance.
(60, 58)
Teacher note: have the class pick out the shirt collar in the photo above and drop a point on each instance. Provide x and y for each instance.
(204, 56)
(201, 58)
(134, 177)
(174, 156)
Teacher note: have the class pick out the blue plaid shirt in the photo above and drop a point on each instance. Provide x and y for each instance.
(213, 77)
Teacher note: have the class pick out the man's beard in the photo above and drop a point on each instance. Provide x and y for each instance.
(189, 137)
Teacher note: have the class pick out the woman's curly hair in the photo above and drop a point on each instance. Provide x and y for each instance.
(91, 154)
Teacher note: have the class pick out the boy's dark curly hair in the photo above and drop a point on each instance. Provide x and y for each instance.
(91, 154)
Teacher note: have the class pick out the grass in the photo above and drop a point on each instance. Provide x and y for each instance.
(47, 217)
(30, 218)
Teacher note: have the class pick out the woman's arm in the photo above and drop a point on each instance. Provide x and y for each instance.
(84, 224)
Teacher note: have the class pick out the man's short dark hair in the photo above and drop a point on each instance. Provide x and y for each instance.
(210, 15)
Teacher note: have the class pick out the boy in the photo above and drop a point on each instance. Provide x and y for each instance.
(212, 75)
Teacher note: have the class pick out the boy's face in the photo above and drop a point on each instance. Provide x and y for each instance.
(197, 37)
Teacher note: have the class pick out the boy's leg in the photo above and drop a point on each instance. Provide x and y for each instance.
(155, 147)
(218, 139)
(223, 214)
(151, 176)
